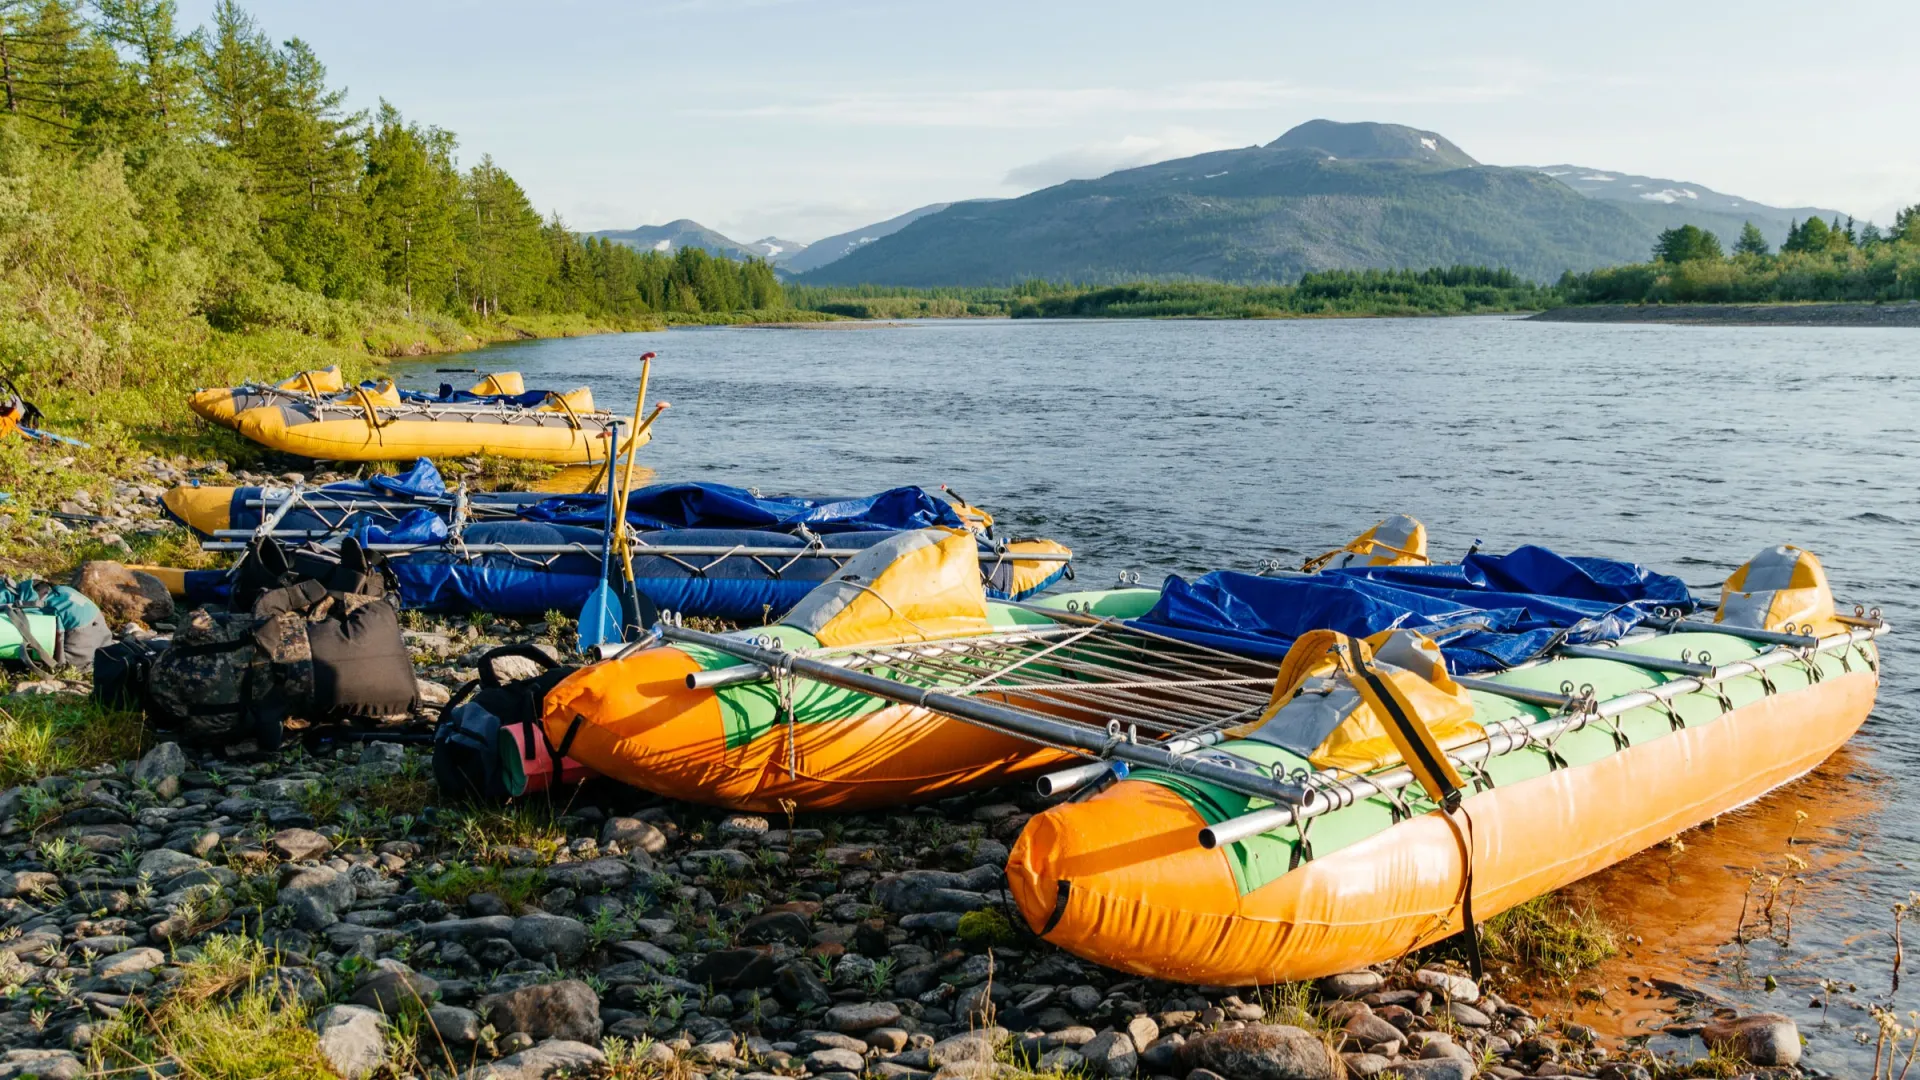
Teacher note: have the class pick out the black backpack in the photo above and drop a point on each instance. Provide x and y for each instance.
(472, 743)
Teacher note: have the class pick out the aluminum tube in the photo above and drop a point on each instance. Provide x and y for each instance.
(1079, 776)
(1622, 656)
(727, 676)
(1002, 719)
(1546, 699)
(1509, 736)
(688, 550)
(1746, 633)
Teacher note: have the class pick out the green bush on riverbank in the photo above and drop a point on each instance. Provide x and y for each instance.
(1455, 290)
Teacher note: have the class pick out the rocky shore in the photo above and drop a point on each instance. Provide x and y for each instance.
(334, 915)
(1898, 314)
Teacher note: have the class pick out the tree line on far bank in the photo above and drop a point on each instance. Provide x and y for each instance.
(1818, 261)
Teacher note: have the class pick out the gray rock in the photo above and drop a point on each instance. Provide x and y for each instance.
(298, 985)
(299, 845)
(540, 935)
(917, 891)
(1369, 1030)
(644, 951)
(1062, 1060)
(391, 991)
(468, 931)
(1111, 1054)
(835, 1059)
(353, 1039)
(1453, 987)
(1143, 1031)
(1445, 1068)
(769, 927)
(865, 1016)
(163, 761)
(1363, 1066)
(555, 1057)
(316, 896)
(1350, 984)
(745, 826)
(591, 876)
(127, 963)
(41, 1065)
(1261, 1052)
(735, 969)
(1082, 999)
(1761, 1039)
(632, 834)
(972, 1046)
(1468, 1016)
(796, 985)
(567, 1010)
(454, 1024)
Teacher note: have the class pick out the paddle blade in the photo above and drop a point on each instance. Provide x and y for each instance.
(600, 618)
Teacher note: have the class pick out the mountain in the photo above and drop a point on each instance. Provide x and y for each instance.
(675, 235)
(1324, 195)
(777, 251)
(1667, 203)
(1374, 142)
(822, 252)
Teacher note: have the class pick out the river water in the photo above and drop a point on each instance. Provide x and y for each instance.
(1180, 447)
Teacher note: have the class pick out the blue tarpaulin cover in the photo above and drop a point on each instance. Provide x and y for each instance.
(1488, 612)
(718, 506)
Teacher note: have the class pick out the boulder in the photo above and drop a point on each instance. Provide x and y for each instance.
(316, 896)
(1261, 1052)
(567, 1010)
(1764, 1039)
(1445, 1068)
(765, 929)
(1351, 984)
(541, 935)
(734, 969)
(632, 834)
(389, 991)
(299, 845)
(353, 1039)
(591, 876)
(863, 1016)
(921, 891)
(124, 595)
(555, 1057)
(1446, 983)
(163, 762)
(1110, 1054)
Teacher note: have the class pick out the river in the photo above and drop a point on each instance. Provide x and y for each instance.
(1179, 447)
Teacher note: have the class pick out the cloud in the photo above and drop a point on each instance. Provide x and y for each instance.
(1092, 160)
(1032, 107)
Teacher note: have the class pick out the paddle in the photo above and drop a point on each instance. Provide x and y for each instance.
(600, 615)
(632, 615)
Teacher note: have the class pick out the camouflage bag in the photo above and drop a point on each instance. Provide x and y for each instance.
(303, 651)
(208, 680)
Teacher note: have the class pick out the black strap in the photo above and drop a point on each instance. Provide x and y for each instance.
(566, 741)
(1060, 898)
(1410, 729)
(1450, 798)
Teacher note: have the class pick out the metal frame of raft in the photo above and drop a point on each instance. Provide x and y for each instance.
(543, 553)
(1145, 672)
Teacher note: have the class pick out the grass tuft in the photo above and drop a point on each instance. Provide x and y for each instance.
(221, 1020)
(1555, 935)
(41, 735)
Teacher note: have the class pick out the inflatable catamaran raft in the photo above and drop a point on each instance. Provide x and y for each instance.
(699, 549)
(1289, 776)
(314, 415)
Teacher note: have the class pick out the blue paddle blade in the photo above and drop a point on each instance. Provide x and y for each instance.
(600, 618)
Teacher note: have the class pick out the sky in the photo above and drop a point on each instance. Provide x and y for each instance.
(805, 118)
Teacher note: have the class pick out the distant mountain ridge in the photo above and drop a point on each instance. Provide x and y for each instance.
(1325, 195)
(675, 235)
(821, 252)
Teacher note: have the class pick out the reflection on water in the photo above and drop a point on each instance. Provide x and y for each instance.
(1181, 447)
(1771, 889)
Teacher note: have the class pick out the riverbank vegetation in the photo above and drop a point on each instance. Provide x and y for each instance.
(194, 206)
(1438, 291)
(1819, 262)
